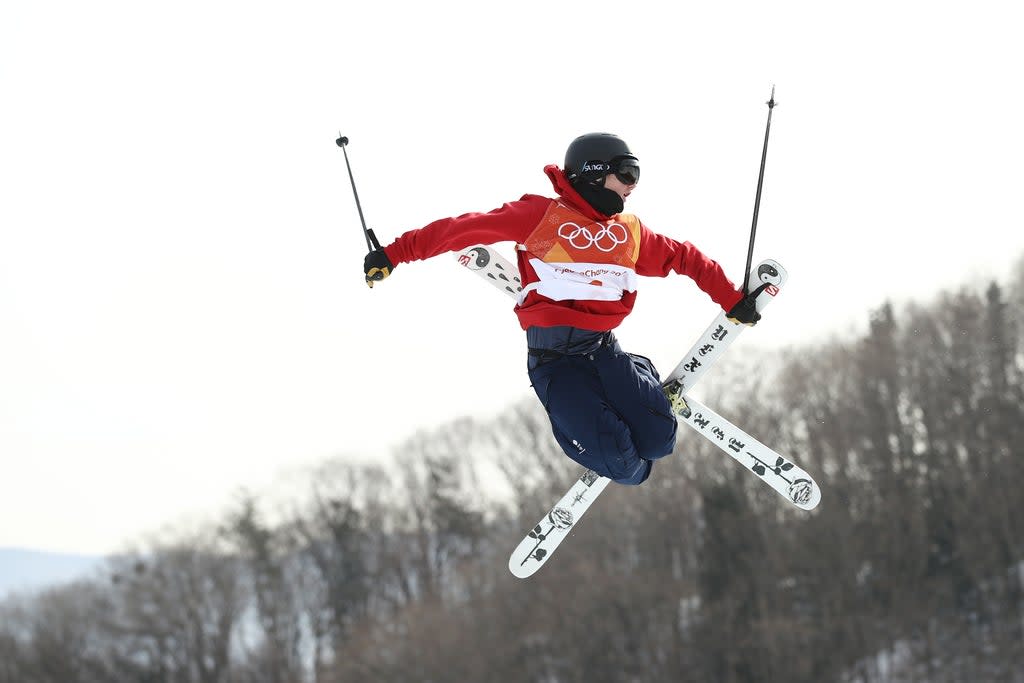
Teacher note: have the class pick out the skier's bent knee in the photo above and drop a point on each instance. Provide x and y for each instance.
(639, 475)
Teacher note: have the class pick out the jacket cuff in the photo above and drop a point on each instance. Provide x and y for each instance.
(727, 305)
(393, 253)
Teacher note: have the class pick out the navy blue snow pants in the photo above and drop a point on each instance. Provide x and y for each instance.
(607, 409)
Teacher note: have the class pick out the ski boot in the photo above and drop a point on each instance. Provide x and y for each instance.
(674, 393)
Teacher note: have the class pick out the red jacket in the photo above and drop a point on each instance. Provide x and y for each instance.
(578, 266)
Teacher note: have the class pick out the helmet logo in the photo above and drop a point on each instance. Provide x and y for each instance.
(605, 239)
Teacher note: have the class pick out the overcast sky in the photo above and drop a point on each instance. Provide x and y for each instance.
(182, 307)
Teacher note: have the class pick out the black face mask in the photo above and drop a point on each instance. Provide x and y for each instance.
(605, 201)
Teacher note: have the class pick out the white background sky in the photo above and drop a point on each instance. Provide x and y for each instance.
(182, 307)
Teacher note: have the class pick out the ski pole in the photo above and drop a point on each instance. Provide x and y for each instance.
(371, 239)
(757, 200)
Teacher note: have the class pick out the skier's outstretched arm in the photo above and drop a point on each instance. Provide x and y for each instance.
(661, 255)
(510, 222)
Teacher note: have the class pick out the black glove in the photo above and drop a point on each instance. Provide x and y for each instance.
(744, 312)
(376, 266)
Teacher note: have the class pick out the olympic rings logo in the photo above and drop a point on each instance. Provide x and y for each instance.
(606, 239)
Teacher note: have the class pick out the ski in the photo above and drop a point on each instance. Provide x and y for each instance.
(789, 480)
(538, 545)
(541, 542)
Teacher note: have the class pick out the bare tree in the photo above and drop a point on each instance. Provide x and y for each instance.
(174, 611)
(265, 554)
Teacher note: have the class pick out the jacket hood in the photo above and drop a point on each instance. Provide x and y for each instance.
(569, 195)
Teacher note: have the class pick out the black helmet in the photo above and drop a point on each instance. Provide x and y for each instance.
(594, 155)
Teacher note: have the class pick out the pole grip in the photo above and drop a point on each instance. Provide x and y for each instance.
(373, 243)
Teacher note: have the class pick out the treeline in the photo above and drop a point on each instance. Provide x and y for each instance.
(911, 569)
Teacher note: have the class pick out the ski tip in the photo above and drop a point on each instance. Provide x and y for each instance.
(805, 494)
(770, 272)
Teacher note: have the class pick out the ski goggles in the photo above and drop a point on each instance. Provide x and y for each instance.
(625, 168)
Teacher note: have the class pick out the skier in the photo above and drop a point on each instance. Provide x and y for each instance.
(578, 258)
